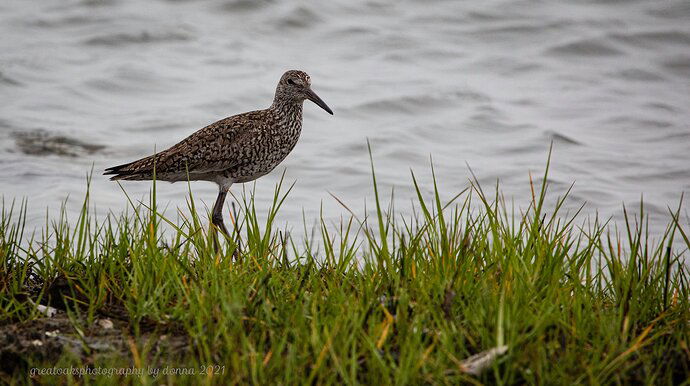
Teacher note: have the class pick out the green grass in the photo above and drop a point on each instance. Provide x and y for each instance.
(385, 299)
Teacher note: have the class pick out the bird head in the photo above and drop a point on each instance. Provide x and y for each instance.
(296, 85)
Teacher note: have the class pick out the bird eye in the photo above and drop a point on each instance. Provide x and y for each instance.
(290, 81)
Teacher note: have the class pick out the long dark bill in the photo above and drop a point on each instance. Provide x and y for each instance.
(319, 102)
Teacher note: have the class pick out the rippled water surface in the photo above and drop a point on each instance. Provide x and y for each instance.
(490, 84)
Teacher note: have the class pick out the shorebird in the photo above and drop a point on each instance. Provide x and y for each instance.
(237, 149)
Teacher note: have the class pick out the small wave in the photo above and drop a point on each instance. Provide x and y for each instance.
(413, 103)
(667, 10)
(561, 138)
(639, 75)
(488, 116)
(244, 5)
(679, 137)
(679, 66)
(398, 105)
(665, 107)
(4, 79)
(512, 30)
(351, 31)
(42, 143)
(54, 22)
(627, 121)
(673, 174)
(515, 148)
(507, 65)
(98, 3)
(299, 17)
(589, 48)
(131, 78)
(144, 37)
(477, 15)
(651, 39)
(654, 123)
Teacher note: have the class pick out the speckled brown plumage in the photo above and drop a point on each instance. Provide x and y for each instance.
(239, 149)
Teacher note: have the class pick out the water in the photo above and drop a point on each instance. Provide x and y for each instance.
(491, 84)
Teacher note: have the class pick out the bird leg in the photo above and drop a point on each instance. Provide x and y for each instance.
(217, 220)
(217, 216)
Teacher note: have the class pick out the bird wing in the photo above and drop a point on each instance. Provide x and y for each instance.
(214, 148)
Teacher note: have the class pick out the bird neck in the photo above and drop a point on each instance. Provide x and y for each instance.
(287, 109)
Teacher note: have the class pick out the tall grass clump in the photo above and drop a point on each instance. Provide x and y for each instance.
(460, 291)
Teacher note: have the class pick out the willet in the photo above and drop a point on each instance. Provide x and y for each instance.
(236, 149)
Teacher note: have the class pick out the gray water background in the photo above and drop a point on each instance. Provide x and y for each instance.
(490, 84)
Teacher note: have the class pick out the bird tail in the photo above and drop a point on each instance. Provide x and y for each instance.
(137, 170)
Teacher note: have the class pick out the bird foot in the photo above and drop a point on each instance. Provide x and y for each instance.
(217, 221)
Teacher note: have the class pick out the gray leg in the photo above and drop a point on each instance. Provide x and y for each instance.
(217, 217)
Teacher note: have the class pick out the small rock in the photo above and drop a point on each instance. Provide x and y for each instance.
(105, 324)
(52, 334)
(477, 363)
(46, 310)
(36, 342)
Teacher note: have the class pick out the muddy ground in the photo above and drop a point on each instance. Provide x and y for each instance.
(45, 340)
